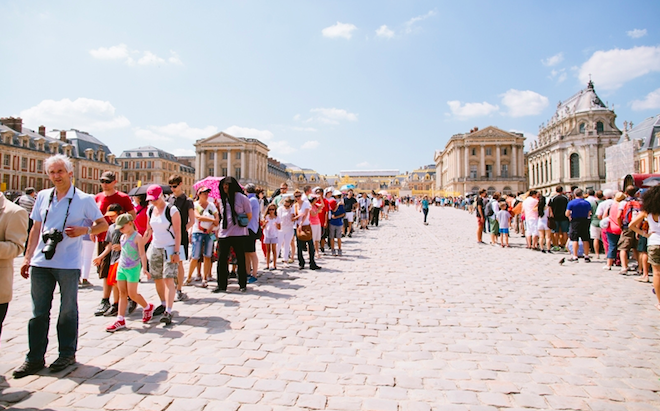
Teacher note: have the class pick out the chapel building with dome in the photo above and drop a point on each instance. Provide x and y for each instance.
(570, 150)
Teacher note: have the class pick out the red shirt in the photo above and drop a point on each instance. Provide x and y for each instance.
(104, 202)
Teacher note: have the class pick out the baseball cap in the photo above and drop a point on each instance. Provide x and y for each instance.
(153, 192)
(108, 176)
(336, 193)
(203, 189)
(123, 219)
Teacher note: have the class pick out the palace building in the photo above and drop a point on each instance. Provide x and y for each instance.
(570, 150)
(245, 159)
(490, 158)
(151, 165)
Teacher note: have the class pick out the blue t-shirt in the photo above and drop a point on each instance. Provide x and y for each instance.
(338, 221)
(254, 206)
(425, 204)
(580, 208)
(83, 209)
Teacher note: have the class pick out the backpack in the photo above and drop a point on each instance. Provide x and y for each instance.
(168, 206)
(632, 208)
(489, 209)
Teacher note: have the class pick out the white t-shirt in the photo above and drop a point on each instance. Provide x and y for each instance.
(605, 205)
(285, 215)
(301, 209)
(162, 237)
(209, 211)
(270, 228)
(654, 229)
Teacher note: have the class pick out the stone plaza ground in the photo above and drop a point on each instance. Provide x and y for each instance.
(412, 317)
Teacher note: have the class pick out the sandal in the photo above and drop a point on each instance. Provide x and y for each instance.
(203, 285)
(657, 306)
(643, 280)
(188, 282)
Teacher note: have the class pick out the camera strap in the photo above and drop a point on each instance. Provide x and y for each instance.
(66, 217)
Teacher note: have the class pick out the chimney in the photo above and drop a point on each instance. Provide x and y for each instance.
(42, 130)
(476, 129)
(15, 124)
(63, 135)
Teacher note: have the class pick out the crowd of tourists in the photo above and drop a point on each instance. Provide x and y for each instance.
(64, 232)
(622, 227)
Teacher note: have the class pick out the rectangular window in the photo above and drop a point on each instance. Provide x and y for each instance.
(137, 165)
(40, 184)
(489, 151)
(125, 164)
(237, 173)
(474, 151)
(89, 172)
(473, 171)
(238, 155)
(23, 182)
(505, 170)
(504, 151)
(40, 165)
(489, 170)
(224, 171)
(24, 163)
(212, 155)
(7, 162)
(211, 172)
(148, 164)
(224, 155)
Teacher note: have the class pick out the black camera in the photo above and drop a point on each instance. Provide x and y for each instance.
(51, 238)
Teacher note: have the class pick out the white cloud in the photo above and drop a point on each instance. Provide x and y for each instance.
(344, 30)
(310, 145)
(311, 129)
(119, 52)
(280, 147)
(333, 115)
(612, 68)
(651, 101)
(410, 24)
(174, 131)
(384, 32)
(122, 52)
(524, 102)
(150, 58)
(637, 33)
(559, 75)
(237, 131)
(469, 110)
(554, 60)
(86, 114)
(296, 117)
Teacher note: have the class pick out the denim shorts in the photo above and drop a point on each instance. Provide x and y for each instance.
(561, 226)
(202, 244)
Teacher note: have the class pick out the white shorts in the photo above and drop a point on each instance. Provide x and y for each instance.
(595, 232)
(317, 231)
(350, 216)
(543, 223)
(532, 227)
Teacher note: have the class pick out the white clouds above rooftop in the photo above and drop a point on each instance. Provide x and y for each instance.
(174, 131)
(384, 32)
(83, 113)
(524, 102)
(650, 102)
(262, 135)
(611, 69)
(636, 33)
(410, 25)
(343, 30)
(310, 145)
(471, 110)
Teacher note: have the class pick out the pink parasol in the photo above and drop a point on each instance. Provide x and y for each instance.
(212, 183)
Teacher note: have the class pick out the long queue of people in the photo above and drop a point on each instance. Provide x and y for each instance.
(623, 227)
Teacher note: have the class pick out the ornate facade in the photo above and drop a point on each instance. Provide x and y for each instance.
(24, 152)
(245, 159)
(571, 148)
(151, 165)
(490, 158)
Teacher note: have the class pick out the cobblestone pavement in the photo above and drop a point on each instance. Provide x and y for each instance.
(412, 317)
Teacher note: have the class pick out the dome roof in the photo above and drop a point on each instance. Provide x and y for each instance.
(582, 101)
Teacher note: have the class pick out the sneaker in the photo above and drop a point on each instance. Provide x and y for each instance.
(112, 311)
(159, 310)
(148, 313)
(166, 318)
(180, 295)
(334, 252)
(132, 305)
(339, 252)
(290, 261)
(28, 368)
(251, 279)
(84, 283)
(233, 275)
(542, 250)
(350, 234)
(102, 308)
(572, 260)
(118, 325)
(607, 268)
(587, 259)
(243, 289)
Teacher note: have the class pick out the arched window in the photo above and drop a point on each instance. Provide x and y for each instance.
(575, 165)
(474, 153)
(491, 190)
(599, 127)
(475, 189)
(506, 190)
(541, 176)
(582, 127)
(550, 169)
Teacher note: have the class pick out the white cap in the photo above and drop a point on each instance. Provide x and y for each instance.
(336, 193)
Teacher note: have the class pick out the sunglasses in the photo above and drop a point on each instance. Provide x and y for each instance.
(174, 185)
(105, 181)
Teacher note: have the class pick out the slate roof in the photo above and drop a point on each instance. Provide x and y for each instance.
(646, 131)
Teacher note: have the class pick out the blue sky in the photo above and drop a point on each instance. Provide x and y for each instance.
(327, 85)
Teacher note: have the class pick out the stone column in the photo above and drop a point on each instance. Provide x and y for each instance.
(514, 160)
(216, 163)
(229, 172)
(466, 155)
(482, 162)
(198, 160)
(243, 173)
(203, 171)
(498, 167)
